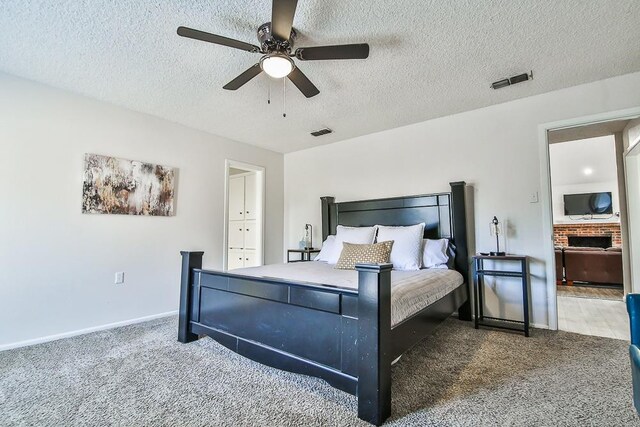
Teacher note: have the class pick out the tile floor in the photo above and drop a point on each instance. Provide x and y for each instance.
(599, 292)
(588, 316)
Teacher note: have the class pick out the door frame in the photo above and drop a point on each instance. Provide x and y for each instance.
(632, 154)
(545, 194)
(262, 187)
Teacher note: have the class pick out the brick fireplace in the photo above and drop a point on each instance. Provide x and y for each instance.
(561, 232)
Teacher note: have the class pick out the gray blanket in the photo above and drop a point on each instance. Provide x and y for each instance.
(411, 291)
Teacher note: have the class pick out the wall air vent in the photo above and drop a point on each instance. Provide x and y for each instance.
(321, 132)
(512, 80)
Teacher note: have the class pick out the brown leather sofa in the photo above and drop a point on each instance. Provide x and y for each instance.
(594, 265)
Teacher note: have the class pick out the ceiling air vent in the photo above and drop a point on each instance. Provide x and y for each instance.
(321, 132)
(512, 80)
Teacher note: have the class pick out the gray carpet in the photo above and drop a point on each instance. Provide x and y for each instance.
(140, 375)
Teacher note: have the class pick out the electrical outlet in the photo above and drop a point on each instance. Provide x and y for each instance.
(119, 278)
(533, 197)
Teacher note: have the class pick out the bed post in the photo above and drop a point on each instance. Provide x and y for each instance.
(328, 216)
(374, 342)
(190, 260)
(459, 212)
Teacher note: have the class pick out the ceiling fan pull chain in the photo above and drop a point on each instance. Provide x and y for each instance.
(284, 97)
(269, 92)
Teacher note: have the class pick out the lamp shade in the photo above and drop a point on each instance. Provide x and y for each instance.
(277, 65)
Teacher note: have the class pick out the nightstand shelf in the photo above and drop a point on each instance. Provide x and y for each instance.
(479, 273)
(305, 254)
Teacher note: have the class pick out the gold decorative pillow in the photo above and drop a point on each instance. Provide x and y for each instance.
(352, 254)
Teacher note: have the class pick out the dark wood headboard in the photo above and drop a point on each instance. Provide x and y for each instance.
(444, 215)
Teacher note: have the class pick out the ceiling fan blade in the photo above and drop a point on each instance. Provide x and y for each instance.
(343, 51)
(301, 81)
(243, 78)
(213, 38)
(282, 12)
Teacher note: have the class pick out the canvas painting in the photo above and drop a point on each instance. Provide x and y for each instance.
(126, 187)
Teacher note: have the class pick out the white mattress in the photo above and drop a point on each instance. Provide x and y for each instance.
(411, 291)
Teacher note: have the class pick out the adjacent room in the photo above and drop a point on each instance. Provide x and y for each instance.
(588, 236)
(305, 212)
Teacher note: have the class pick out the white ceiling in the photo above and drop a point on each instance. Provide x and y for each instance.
(569, 160)
(428, 58)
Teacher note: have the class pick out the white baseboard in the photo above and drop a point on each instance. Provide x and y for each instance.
(539, 326)
(117, 325)
(85, 331)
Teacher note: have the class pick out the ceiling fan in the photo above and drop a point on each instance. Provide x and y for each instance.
(276, 45)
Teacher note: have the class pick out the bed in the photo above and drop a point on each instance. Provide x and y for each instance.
(346, 328)
(411, 291)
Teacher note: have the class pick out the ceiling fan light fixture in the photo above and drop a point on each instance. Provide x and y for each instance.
(277, 65)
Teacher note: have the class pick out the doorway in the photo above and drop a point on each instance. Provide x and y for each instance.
(589, 225)
(244, 215)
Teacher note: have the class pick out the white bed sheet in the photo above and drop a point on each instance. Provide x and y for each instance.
(411, 291)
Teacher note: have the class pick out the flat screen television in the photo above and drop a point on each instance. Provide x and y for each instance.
(588, 204)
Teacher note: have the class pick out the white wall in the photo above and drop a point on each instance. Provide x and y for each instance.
(57, 265)
(497, 149)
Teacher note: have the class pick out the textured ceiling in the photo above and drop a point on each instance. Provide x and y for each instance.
(428, 58)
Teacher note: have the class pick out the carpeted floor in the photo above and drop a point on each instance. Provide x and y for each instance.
(141, 376)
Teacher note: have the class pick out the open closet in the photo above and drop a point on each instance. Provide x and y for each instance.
(244, 239)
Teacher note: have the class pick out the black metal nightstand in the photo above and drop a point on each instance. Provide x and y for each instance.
(478, 275)
(305, 254)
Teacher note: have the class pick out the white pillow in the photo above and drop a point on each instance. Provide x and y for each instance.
(359, 235)
(327, 246)
(434, 254)
(406, 253)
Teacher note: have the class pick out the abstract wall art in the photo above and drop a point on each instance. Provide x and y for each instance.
(126, 187)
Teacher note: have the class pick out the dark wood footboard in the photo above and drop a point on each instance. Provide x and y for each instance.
(304, 328)
(340, 335)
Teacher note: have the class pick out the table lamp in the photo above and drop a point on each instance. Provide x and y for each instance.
(308, 236)
(496, 230)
